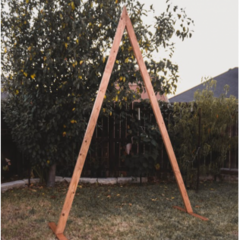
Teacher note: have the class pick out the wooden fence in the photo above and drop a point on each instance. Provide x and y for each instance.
(232, 158)
(108, 149)
(107, 155)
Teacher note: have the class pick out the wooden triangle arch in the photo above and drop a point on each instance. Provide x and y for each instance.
(123, 22)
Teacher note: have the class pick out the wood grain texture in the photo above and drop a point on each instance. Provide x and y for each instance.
(91, 125)
(60, 236)
(179, 208)
(158, 115)
(199, 216)
(193, 214)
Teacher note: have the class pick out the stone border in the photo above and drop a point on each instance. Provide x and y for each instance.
(103, 181)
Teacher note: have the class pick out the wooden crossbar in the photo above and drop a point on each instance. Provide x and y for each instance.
(123, 22)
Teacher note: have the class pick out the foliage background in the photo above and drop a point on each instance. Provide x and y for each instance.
(217, 116)
(53, 57)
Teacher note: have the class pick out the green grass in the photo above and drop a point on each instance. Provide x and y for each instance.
(122, 212)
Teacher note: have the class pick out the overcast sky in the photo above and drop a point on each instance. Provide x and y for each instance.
(213, 48)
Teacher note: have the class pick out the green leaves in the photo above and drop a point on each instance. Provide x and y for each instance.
(56, 52)
(218, 115)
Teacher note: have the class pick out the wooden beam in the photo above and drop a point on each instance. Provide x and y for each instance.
(158, 115)
(123, 22)
(192, 214)
(60, 236)
(91, 126)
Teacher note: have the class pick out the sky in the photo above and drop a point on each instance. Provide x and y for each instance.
(213, 48)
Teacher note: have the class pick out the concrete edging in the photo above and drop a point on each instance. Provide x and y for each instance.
(103, 181)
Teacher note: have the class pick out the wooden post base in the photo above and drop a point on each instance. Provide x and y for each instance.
(53, 226)
(191, 213)
(60, 236)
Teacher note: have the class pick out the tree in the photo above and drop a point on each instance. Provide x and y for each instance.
(53, 56)
(218, 115)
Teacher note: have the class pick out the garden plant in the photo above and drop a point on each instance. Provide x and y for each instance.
(53, 55)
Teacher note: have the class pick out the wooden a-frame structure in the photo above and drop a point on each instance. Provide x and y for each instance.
(123, 22)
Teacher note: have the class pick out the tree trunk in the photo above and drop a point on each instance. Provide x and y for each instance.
(51, 176)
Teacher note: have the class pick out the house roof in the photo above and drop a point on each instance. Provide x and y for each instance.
(144, 94)
(230, 78)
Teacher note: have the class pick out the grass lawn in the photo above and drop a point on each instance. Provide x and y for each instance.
(122, 212)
